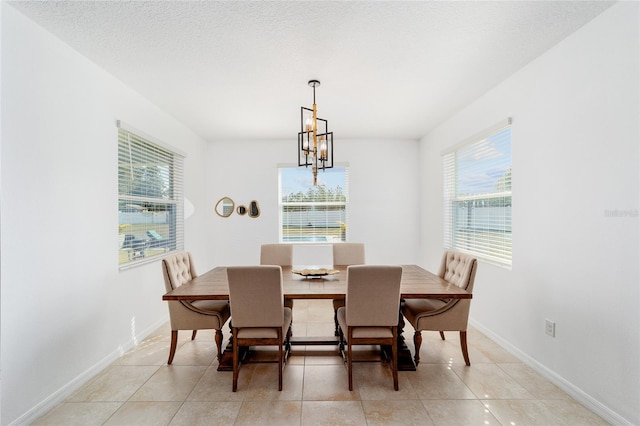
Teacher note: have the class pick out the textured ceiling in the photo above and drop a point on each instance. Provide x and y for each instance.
(238, 70)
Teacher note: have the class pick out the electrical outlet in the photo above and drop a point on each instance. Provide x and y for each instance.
(550, 328)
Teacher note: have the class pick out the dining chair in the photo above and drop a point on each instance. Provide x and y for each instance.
(370, 314)
(259, 315)
(277, 254)
(449, 314)
(345, 254)
(193, 315)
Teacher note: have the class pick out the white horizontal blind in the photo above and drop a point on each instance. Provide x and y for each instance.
(313, 213)
(477, 197)
(150, 198)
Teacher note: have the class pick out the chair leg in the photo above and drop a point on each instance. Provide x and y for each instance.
(349, 361)
(193, 335)
(394, 356)
(219, 343)
(417, 342)
(287, 348)
(463, 345)
(335, 320)
(442, 335)
(280, 356)
(174, 344)
(288, 303)
(235, 360)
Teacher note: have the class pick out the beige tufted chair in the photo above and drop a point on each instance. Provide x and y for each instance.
(259, 315)
(444, 315)
(195, 315)
(345, 254)
(370, 315)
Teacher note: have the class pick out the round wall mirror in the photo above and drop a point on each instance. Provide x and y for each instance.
(241, 210)
(224, 207)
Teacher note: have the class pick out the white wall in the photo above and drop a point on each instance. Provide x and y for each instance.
(67, 311)
(383, 205)
(575, 139)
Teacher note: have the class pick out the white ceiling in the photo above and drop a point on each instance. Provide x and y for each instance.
(239, 70)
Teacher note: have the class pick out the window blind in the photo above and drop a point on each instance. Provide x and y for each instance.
(477, 197)
(150, 198)
(313, 213)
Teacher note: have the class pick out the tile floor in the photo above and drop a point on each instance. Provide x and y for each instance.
(141, 389)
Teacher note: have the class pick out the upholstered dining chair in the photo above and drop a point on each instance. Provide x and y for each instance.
(370, 315)
(196, 315)
(444, 315)
(277, 254)
(345, 254)
(259, 315)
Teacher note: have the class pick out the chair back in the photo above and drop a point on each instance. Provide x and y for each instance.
(276, 254)
(178, 269)
(373, 295)
(348, 254)
(459, 269)
(256, 296)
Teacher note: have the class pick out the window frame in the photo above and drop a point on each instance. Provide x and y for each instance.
(161, 197)
(487, 235)
(342, 230)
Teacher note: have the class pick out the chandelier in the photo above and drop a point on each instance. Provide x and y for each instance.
(315, 142)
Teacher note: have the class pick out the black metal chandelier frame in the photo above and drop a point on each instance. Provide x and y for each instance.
(315, 141)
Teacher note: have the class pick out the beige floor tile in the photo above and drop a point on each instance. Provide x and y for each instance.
(492, 351)
(264, 383)
(216, 385)
(434, 350)
(488, 381)
(140, 388)
(459, 412)
(573, 413)
(300, 311)
(321, 328)
(323, 355)
(170, 383)
(330, 413)
(149, 352)
(537, 385)
(206, 414)
(144, 413)
(298, 328)
(523, 412)
(436, 381)
(79, 414)
(375, 382)
(328, 383)
(296, 356)
(406, 413)
(116, 383)
(279, 413)
(320, 311)
(199, 352)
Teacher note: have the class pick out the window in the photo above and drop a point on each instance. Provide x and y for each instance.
(313, 213)
(477, 196)
(150, 198)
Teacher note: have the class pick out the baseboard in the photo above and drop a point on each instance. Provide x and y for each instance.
(68, 389)
(576, 393)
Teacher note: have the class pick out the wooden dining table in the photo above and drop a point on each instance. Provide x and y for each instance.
(416, 283)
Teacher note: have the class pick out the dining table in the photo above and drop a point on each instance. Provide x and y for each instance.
(322, 282)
